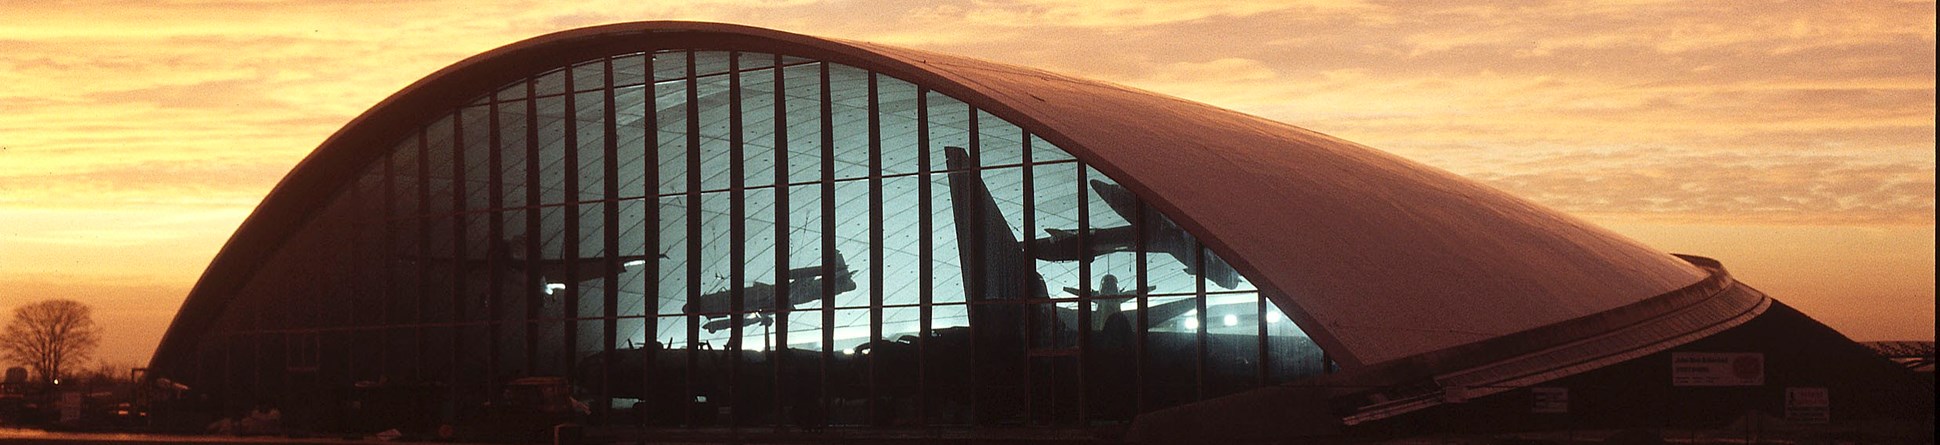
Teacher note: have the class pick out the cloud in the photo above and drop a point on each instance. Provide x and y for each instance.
(1660, 184)
(155, 126)
(1116, 14)
(196, 183)
(1457, 84)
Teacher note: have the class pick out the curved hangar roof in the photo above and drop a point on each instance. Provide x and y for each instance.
(1377, 257)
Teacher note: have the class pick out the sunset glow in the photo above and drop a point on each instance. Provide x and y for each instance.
(1792, 141)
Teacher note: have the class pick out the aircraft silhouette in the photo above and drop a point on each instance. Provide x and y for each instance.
(552, 273)
(759, 299)
(1161, 235)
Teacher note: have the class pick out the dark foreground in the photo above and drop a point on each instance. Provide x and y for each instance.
(1739, 434)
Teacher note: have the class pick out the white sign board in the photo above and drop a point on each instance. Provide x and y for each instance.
(1808, 405)
(1549, 400)
(1717, 369)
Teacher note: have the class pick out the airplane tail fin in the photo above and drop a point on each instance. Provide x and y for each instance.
(839, 271)
(1004, 267)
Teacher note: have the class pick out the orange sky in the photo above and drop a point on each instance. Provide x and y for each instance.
(1792, 140)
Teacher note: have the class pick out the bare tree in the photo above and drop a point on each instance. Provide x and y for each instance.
(51, 335)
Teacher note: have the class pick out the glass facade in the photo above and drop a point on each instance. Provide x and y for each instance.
(697, 238)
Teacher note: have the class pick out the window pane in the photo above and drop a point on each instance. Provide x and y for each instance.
(551, 83)
(946, 269)
(896, 106)
(406, 261)
(1232, 342)
(757, 120)
(758, 258)
(716, 285)
(670, 99)
(1291, 353)
(805, 241)
(592, 266)
(512, 153)
(852, 241)
(849, 94)
(1043, 151)
(948, 127)
(552, 150)
(630, 130)
(1057, 245)
(714, 153)
(589, 76)
(518, 284)
(902, 233)
(803, 86)
(439, 267)
(589, 121)
(634, 256)
(476, 132)
(404, 178)
(673, 242)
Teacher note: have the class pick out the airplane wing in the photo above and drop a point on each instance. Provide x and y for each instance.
(1121, 201)
(1215, 270)
(1098, 294)
(1164, 235)
(1220, 273)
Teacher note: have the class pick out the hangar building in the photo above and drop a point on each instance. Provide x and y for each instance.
(695, 225)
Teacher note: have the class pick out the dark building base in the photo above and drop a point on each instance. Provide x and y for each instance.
(1870, 396)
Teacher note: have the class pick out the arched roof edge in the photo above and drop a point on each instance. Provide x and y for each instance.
(318, 176)
(315, 178)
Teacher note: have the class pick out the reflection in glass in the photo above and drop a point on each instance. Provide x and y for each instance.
(785, 242)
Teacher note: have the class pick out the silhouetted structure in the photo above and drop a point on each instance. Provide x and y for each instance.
(713, 225)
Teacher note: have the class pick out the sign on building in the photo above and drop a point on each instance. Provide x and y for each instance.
(1549, 400)
(1717, 369)
(1808, 405)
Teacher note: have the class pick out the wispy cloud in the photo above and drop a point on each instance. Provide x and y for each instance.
(1718, 187)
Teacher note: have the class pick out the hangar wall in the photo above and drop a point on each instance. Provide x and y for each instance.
(696, 230)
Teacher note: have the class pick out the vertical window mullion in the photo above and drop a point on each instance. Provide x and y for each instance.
(533, 278)
(979, 309)
(737, 233)
(1199, 299)
(875, 242)
(828, 232)
(1085, 290)
(693, 222)
(925, 244)
(784, 301)
(458, 253)
(609, 329)
(421, 217)
(1141, 222)
(494, 229)
(569, 242)
(1259, 322)
(651, 191)
(1035, 311)
(389, 258)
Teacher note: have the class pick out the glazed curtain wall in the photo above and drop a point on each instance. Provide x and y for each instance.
(692, 237)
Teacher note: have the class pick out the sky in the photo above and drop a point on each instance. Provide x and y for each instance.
(1794, 141)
